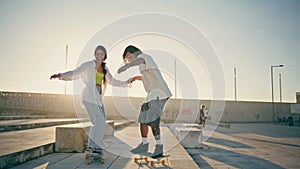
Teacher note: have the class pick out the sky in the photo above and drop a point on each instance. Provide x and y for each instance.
(250, 35)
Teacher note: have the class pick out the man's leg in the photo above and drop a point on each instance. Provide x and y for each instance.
(157, 110)
(143, 147)
(156, 133)
(155, 130)
(144, 132)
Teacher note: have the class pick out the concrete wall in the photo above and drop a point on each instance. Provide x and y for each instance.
(15, 103)
(254, 111)
(298, 97)
(180, 110)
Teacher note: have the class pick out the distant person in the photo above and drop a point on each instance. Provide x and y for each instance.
(203, 115)
(158, 94)
(95, 75)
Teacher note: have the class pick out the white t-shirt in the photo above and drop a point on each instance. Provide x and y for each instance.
(154, 84)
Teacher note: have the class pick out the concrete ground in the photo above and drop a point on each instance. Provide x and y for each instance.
(252, 145)
(118, 154)
(249, 145)
(16, 141)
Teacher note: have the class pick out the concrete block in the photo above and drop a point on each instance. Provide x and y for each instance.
(189, 137)
(197, 126)
(69, 139)
(72, 138)
(109, 129)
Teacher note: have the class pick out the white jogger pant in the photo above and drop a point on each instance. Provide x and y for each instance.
(97, 117)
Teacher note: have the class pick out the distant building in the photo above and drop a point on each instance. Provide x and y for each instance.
(298, 97)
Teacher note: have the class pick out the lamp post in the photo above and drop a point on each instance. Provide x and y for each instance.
(175, 79)
(280, 88)
(273, 114)
(235, 94)
(66, 63)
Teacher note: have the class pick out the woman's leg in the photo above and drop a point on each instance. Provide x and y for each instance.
(97, 117)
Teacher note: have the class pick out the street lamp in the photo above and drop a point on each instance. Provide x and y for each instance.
(280, 88)
(66, 63)
(273, 114)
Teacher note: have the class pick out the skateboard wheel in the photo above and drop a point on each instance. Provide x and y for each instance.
(135, 160)
(88, 161)
(146, 159)
(152, 163)
(163, 162)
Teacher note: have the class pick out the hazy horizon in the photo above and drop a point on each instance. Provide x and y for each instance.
(248, 35)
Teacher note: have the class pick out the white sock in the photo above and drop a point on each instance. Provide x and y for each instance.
(144, 140)
(158, 142)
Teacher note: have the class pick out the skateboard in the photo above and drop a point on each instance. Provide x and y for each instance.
(150, 160)
(89, 157)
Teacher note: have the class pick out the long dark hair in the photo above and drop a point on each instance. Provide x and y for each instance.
(100, 47)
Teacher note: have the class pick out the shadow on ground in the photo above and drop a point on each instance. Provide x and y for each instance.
(210, 157)
(228, 143)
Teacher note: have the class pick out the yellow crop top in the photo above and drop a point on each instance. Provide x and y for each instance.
(99, 78)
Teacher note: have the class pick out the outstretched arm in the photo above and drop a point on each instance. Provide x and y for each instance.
(135, 62)
(70, 75)
(114, 82)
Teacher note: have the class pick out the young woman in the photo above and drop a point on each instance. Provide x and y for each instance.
(95, 75)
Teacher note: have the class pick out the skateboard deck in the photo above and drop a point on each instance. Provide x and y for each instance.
(146, 157)
(89, 157)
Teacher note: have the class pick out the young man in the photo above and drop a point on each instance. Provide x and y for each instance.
(203, 115)
(158, 94)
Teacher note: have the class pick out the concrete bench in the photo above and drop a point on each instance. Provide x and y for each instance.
(197, 126)
(189, 137)
(72, 137)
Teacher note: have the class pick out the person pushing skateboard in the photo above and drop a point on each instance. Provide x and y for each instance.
(158, 94)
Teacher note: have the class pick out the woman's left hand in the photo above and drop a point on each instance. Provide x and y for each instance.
(130, 80)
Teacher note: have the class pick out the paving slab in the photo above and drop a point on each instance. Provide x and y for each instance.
(117, 153)
(252, 145)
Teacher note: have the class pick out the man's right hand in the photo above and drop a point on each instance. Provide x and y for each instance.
(55, 76)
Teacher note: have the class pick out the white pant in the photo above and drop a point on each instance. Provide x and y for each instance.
(97, 117)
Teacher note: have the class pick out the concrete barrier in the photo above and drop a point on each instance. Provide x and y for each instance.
(189, 137)
(72, 138)
(176, 110)
(10, 160)
(197, 126)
